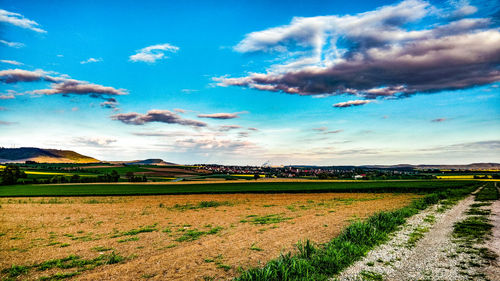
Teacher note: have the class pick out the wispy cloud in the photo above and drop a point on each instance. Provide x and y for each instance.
(385, 53)
(155, 115)
(7, 97)
(94, 141)
(12, 44)
(439, 120)
(222, 115)
(226, 128)
(325, 130)
(91, 60)
(20, 21)
(13, 62)
(5, 123)
(352, 103)
(188, 91)
(153, 53)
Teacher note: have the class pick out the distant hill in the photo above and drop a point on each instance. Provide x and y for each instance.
(158, 162)
(19, 155)
(473, 166)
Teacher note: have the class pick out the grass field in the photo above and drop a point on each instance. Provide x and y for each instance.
(243, 187)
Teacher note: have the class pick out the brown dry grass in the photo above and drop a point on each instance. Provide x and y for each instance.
(31, 226)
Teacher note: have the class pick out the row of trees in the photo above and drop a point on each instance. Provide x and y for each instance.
(10, 175)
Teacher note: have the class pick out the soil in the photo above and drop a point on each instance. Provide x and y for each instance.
(39, 229)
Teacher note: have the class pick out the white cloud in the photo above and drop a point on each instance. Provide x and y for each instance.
(153, 53)
(11, 62)
(20, 21)
(12, 44)
(91, 60)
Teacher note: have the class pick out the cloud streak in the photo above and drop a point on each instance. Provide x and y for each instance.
(20, 21)
(155, 115)
(13, 62)
(377, 54)
(153, 53)
(221, 115)
(352, 103)
(91, 60)
(16, 45)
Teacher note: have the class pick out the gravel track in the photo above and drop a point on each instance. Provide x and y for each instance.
(433, 257)
(493, 271)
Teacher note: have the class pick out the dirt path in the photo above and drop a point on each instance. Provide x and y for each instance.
(406, 257)
(493, 271)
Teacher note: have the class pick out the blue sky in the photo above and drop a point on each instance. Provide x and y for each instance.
(245, 82)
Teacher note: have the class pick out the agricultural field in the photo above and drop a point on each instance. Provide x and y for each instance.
(202, 231)
(176, 237)
(263, 186)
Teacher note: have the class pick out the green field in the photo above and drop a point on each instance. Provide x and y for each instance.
(244, 187)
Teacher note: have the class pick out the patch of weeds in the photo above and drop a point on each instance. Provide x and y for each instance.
(483, 204)
(147, 276)
(266, 219)
(64, 245)
(148, 228)
(478, 212)
(16, 270)
(224, 266)
(473, 228)
(370, 263)
(72, 261)
(269, 205)
(135, 238)
(255, 248)
(167, 230)
(101, 249)
(416, 235)
(194, 234)
(371, 276)
(430, 219)
(201, 205)
(59, 276)
(168, 247)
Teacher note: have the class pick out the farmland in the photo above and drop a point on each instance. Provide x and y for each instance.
(178, 237)
(194, 231)
(227, 187)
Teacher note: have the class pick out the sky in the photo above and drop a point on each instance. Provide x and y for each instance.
(251, 82)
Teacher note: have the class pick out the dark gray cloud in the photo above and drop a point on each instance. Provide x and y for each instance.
(61, 85)
(385, 57)
(162, 116)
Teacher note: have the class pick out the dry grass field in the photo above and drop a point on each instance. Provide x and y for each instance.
(169, 237)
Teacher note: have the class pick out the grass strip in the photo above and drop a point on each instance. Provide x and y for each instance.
(320, 262)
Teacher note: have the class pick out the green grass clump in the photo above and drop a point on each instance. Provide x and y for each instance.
(266, 219)
(194, 234)
(489, 192)
(473, 228)
(478, 212)
(135, 238)
(320, 262)
(148, 228)
(416, 235)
